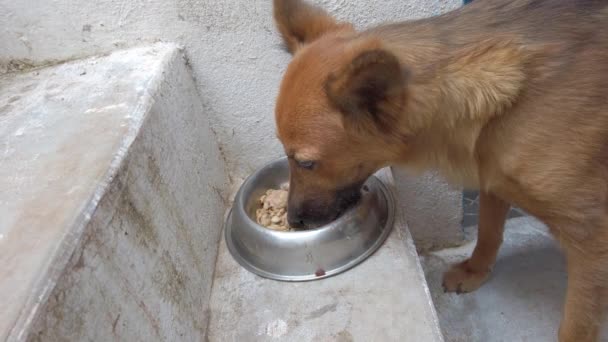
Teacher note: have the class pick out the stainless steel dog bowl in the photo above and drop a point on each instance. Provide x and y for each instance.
(311, 254)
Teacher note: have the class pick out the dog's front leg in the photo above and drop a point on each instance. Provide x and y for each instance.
(471, 274)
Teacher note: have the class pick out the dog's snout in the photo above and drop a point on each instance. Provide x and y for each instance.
(295, 218)
(312, 213)
(348, 197)
(309, 214)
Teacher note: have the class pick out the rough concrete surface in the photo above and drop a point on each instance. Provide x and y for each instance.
(232, 45)
(383, 299)
(110, 214)
(523, 299)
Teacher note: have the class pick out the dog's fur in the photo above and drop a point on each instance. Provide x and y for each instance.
(506, 96)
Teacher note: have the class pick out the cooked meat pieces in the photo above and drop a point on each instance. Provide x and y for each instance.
(272, 213)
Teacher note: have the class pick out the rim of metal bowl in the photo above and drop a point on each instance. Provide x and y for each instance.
(388, 227)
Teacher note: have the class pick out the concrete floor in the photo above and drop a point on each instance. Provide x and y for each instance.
(521, 302)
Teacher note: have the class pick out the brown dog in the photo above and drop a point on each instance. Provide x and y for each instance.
(506, 96)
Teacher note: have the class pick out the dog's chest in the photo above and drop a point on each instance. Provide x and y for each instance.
(464, 175)
(453, 158)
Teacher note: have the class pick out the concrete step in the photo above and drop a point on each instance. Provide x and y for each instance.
(110, 211)
(383, 299)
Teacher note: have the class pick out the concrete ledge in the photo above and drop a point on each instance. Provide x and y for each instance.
(383, 299)
(110, 201)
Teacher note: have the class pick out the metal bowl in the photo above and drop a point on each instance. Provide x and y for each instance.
(310, 254)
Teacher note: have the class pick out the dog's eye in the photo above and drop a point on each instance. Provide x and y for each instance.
(306, 164)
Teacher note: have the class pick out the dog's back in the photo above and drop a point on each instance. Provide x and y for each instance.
(559, 121)
(559, 124)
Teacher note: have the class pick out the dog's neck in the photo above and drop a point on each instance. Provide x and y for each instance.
(453, 94)
(473, 83)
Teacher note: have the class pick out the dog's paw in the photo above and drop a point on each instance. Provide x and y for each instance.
(460, 278)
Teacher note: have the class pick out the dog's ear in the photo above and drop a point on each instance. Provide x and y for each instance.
(300, 22)
(370, 91)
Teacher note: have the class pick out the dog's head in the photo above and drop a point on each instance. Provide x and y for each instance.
(337, 112)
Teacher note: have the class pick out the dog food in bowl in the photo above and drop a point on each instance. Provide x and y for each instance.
(272, 213)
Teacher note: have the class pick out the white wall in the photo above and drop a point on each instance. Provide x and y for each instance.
(236, 58)
(232, 46)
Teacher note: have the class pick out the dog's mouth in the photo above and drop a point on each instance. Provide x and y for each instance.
(312, 214)
(347, 198)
